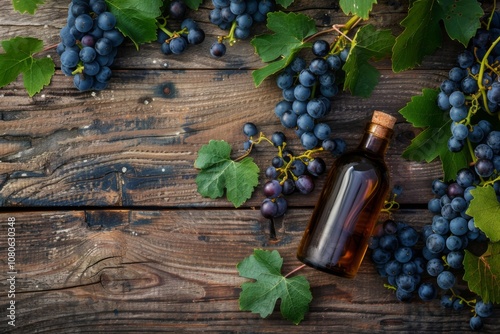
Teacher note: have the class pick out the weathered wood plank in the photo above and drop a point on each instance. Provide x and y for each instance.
(174, 270)
(135, 144)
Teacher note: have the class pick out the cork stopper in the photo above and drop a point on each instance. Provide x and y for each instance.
(383, 119)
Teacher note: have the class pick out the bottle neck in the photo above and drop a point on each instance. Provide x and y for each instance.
(376, 139)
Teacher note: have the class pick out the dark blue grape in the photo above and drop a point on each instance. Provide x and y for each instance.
(435, 243)
(446, 280)
(103, 46)
(177, 9)
(83, 82)
(320, 48)
(484, 168)
(322, 131)
(307, 78)
(427, 291)
(298, 64)
(334, 62)
(218, 49)
(476, 323)
(301, 92)
(69, 58)
(104, 74)
(316, 108)
(318, 66)
(106, 21)
(309, 140)
(289, 119)
(278, 138)
(178, 45)
(250, 129)
(284, 80)
(114, 36)
(91, 68)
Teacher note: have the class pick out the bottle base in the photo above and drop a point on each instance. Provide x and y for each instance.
(328, 270)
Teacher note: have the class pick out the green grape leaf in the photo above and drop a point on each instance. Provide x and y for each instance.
(290, 30)
(193, 4)
(270, 285)
(284, 3)
(19, 59)
(421, 36)
(218, 173)
(423, 112)
(483, 273)
(26, 6)
(361, 8)
(485, 209)
(462, 18)
(368, 44)
(136, 19)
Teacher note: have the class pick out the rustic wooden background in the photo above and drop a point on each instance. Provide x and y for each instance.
(111, 234)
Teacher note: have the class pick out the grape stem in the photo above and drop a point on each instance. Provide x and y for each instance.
(230, 35)
(295, 270)
(484, 64)
(161, 23)
(351, 23)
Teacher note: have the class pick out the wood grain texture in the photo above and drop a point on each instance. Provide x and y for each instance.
(175, 271)
(111, 234)
(132, 145)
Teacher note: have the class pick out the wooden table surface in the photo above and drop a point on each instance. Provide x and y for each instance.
(111, 234)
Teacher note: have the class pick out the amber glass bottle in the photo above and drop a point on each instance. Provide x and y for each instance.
(336, 238)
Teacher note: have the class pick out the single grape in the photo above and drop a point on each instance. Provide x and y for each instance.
(218, 49)
(427, 291)
(106, 21)
(483, 309)
(272, 189)
(268, 209)
(320, 48)
(476, 323)
(309, 140)
(178, 45)
(316, 167)
(446, 280)
(435, 243)
(304, 184)
(250, 129)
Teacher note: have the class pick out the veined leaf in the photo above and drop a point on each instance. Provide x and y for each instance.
(482, 273)
(421, 36)
(368, 44)
(462, 18)
(19, 59)
(270, 285)
(26, 6)
(278, 49)
(193, 4)
(485, 209)
(220, 174)
(422, 111)
(136, 19)
(361, 8)
(284, 3)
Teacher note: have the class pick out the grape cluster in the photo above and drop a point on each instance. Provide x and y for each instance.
(237, 16)
(307, 90)
(89, 43)
(176, 42)
(287, 174)
(472, 88)
(428, 262)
